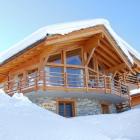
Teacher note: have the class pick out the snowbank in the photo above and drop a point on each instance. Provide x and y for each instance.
(66, 28)
(22, 120)
(134, 91)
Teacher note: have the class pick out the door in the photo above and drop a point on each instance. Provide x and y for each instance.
(66, 109)
(105, 109)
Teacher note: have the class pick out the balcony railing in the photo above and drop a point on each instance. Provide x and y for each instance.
(45, 80)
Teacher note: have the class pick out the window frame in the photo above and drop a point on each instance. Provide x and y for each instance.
(65, 101)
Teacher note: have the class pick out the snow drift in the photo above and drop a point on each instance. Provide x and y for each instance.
(20, 119)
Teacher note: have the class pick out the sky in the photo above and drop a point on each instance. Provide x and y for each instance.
(19, 18)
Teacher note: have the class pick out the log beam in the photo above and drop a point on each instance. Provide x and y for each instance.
(91, 46)
(116, 68)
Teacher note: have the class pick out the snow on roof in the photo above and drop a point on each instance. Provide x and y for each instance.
(135, 91)
(66, 28)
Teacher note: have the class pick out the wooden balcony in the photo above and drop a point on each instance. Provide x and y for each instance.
(67, 82)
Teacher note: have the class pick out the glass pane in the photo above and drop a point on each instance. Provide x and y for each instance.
(74, 57)
(68, 110)
(75, 77)
(54, 76)
(56, 58)
(61, 109)
(32, 74)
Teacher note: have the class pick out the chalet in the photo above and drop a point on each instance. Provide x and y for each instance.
(73, 69)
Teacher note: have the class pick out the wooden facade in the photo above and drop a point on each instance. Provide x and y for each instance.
(86, 60)
(135, 100)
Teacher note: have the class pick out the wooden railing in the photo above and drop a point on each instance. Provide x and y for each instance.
(131, 79)
(66, 80)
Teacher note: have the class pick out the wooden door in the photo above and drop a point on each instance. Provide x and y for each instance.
(105, 109)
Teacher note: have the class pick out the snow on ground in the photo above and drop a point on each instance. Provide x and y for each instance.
(20, 119)
(134, 91)
(66, 28)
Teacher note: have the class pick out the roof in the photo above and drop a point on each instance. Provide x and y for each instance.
(66, 28)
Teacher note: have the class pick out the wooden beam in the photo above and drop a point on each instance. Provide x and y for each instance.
(91, 45)
(104, 55)
(92, 42)
(90, 56)
(110, 52)
(116, 68)
(75, 34)
(120, 53)
(103, 60)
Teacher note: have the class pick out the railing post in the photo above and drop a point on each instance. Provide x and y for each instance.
(129, 97)
(110, 83)
(65, 79)
(36, 82)
(18, 89)
(120, 87)
(105, 83)
(44, 79)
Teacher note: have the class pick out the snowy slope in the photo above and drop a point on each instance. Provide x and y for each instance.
(65, 29)
(22, 120)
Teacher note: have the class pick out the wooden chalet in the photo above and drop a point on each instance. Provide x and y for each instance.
(79, 68)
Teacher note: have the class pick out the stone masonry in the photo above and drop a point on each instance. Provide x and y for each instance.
(83, 106)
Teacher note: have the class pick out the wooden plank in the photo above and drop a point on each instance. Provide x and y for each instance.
(116, 68)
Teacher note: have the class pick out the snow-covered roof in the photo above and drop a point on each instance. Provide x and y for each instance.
(135, 91)
(66, 28)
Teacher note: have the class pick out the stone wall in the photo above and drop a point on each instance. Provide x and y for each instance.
(112, 108)
(83, 106)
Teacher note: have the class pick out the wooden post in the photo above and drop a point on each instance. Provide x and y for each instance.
(86, 78)
(65, 79)
(24, 79)
(44, 79)
(36, 83)
(120, 88)
(110, 82)
(105, 84)
(65, 75)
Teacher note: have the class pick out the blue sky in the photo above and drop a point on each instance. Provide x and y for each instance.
(19, 18)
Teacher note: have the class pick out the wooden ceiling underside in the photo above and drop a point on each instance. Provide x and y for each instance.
(105, 52)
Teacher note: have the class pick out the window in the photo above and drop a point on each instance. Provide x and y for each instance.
(56, 58)
(74, 57)
(75, 77)
(32, 75)
(54, 76)
(66, 109)
(105, 108)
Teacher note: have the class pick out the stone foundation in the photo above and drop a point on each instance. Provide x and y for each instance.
(83, 106)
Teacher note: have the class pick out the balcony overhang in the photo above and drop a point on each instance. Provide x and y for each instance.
(108, 97)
